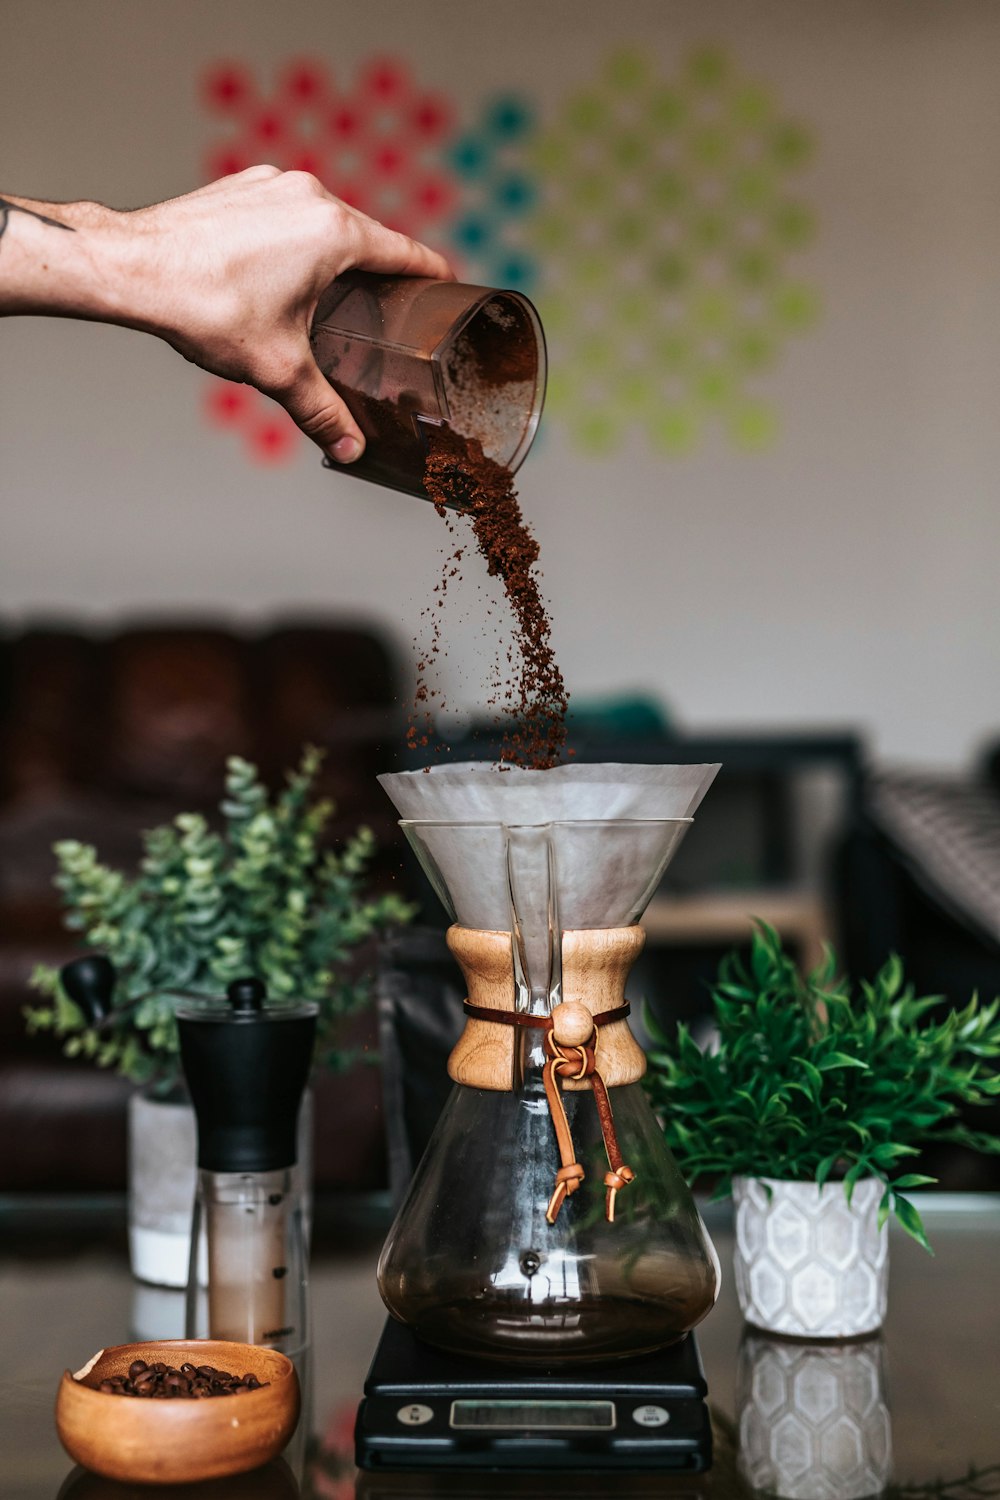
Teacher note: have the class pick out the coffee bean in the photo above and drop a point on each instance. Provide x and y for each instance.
(167, 1383)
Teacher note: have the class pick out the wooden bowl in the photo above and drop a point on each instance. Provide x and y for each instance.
(175, 1442)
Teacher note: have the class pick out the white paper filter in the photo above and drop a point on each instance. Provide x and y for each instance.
(475, 791)
(580, 845)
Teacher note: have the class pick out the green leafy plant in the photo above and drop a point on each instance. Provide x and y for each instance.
(810, 1081)
(260, 897)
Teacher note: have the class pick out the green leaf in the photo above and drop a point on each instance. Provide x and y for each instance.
(853, 1176)
(840, 1060)
(813, 1074)
(912, 1180)
(826, 1166)
(884, 1207)
(910, 1220)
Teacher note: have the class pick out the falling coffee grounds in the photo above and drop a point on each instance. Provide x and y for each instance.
(459, 477)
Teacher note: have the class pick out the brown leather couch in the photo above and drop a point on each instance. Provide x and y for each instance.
(104, 734)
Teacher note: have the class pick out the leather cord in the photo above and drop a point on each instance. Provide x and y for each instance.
(574, 1064)
(538, 1023)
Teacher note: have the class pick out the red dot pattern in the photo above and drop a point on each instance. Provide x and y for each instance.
(269, 435)
(378, 143)
(362, 141)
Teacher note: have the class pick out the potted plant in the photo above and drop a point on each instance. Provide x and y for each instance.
(807, 1106)
(259, 896)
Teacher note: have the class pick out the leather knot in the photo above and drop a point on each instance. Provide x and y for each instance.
(574, 1063)
(568, 1179)
(574, 1059)
(618, 1178)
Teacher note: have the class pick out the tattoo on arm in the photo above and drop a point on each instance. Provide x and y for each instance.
(7, 208)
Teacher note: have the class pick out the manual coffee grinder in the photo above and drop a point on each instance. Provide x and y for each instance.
(548, 1264)
(247, 1063)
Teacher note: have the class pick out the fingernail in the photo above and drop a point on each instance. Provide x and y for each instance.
(345, 450)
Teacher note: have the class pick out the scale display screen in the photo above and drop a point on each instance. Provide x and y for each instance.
(539, 1416)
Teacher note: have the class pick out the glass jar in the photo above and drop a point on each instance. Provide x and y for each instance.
(408, 354)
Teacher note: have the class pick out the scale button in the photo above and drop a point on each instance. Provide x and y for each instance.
(414, 1416)
(650, 1416)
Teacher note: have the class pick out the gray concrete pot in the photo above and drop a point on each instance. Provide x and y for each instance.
(162, 1155)
(806, 1262)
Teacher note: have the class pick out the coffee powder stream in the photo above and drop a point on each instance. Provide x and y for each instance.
(459, 476)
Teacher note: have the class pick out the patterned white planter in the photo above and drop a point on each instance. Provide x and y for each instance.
(806, 1262)
(813, 1418)
(162, 1146)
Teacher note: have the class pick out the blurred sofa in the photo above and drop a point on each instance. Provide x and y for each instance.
(103, 734)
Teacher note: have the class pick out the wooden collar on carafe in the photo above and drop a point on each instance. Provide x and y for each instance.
(588, 1042)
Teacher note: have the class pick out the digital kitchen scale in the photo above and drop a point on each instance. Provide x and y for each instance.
(425, 1409)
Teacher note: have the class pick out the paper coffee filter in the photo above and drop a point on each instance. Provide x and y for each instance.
(574, 847)
(477, 791)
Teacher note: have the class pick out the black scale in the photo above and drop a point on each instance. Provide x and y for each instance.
(424, 1409)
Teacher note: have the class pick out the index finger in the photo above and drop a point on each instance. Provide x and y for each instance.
(384, 250)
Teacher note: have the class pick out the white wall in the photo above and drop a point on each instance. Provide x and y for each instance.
(847, 574)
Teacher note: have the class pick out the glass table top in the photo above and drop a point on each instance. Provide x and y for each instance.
(915, 1411)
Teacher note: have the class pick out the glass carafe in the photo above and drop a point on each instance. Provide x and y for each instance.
(486, 1258)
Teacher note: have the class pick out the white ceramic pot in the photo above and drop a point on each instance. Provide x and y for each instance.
(162, 1156)
(806, 1262)
(813, 1418)
(162, 1148)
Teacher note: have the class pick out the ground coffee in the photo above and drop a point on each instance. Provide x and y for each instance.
(532, 699)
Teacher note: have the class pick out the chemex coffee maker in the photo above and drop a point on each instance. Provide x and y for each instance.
(548, 1264)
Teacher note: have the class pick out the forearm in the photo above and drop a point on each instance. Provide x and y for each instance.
(65, 259)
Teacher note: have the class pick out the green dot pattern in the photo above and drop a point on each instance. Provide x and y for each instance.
(667, 233)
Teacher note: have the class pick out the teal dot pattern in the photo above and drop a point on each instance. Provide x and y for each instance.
(498, 190)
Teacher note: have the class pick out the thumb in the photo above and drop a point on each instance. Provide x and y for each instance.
(314, 405)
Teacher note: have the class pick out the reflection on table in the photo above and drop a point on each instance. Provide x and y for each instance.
(813, 1419)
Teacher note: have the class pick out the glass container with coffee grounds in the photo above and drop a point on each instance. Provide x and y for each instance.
(408, 355)
(246, 1065)
(547, 1221)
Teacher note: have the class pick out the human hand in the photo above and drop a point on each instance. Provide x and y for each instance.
(230, 275)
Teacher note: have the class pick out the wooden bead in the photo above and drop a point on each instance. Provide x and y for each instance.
(572, 1024)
